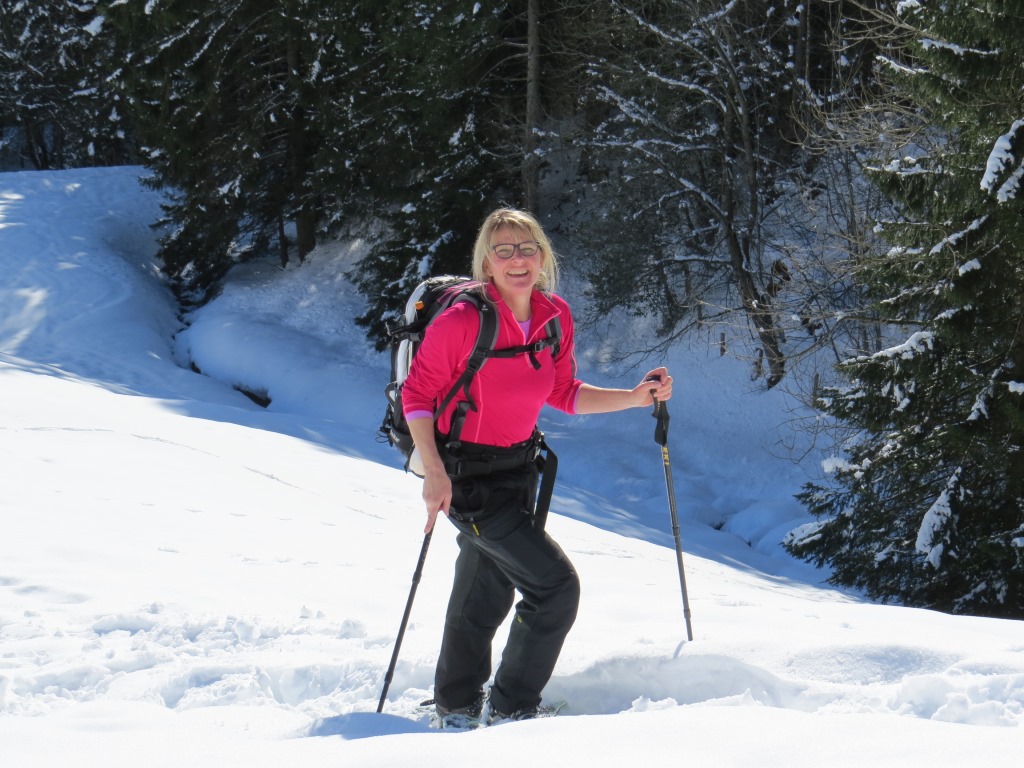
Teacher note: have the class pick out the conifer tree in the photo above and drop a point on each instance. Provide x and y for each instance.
(55, 108)
(927, 507)
(476, 90)
(246, 112)
(436, 171)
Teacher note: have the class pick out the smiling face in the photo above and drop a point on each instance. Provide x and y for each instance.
(516, 276)
(519, 274)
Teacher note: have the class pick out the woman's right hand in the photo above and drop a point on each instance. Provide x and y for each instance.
(437, 486)
(437, 495)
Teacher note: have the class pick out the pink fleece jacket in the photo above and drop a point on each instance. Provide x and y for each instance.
(509, 392)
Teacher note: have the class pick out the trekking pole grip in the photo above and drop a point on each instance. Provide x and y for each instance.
(661, 414)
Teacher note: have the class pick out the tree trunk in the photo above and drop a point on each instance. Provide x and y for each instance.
(282, 241)
(305, 217)
(305, 233)
(531, 162)
(761, 315)
(755, 302)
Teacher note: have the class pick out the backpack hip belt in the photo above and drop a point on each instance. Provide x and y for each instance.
(469, 459)
(484, 459)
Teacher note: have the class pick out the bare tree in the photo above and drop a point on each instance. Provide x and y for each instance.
(696, 151)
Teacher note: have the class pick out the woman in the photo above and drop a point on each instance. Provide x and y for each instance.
(500, 550)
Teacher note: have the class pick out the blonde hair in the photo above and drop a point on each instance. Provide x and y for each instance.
(514, 219)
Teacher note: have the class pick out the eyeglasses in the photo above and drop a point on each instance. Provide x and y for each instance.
(507, 250)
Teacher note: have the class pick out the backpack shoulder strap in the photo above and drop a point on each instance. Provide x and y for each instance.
(484, 348)
(486, 339)
(554, 331)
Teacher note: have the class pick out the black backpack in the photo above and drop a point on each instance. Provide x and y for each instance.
(428, 300)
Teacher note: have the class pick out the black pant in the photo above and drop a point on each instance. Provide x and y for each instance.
(500, 551)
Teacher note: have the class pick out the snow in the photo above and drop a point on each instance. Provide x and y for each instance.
(188, 579)
(1002, 159)
(918, 342)
(934, 521)
(970, 266)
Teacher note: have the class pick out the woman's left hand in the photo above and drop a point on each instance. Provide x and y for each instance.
(656, 384)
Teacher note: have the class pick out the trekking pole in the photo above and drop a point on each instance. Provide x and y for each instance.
(661, 438)
(405, 620)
